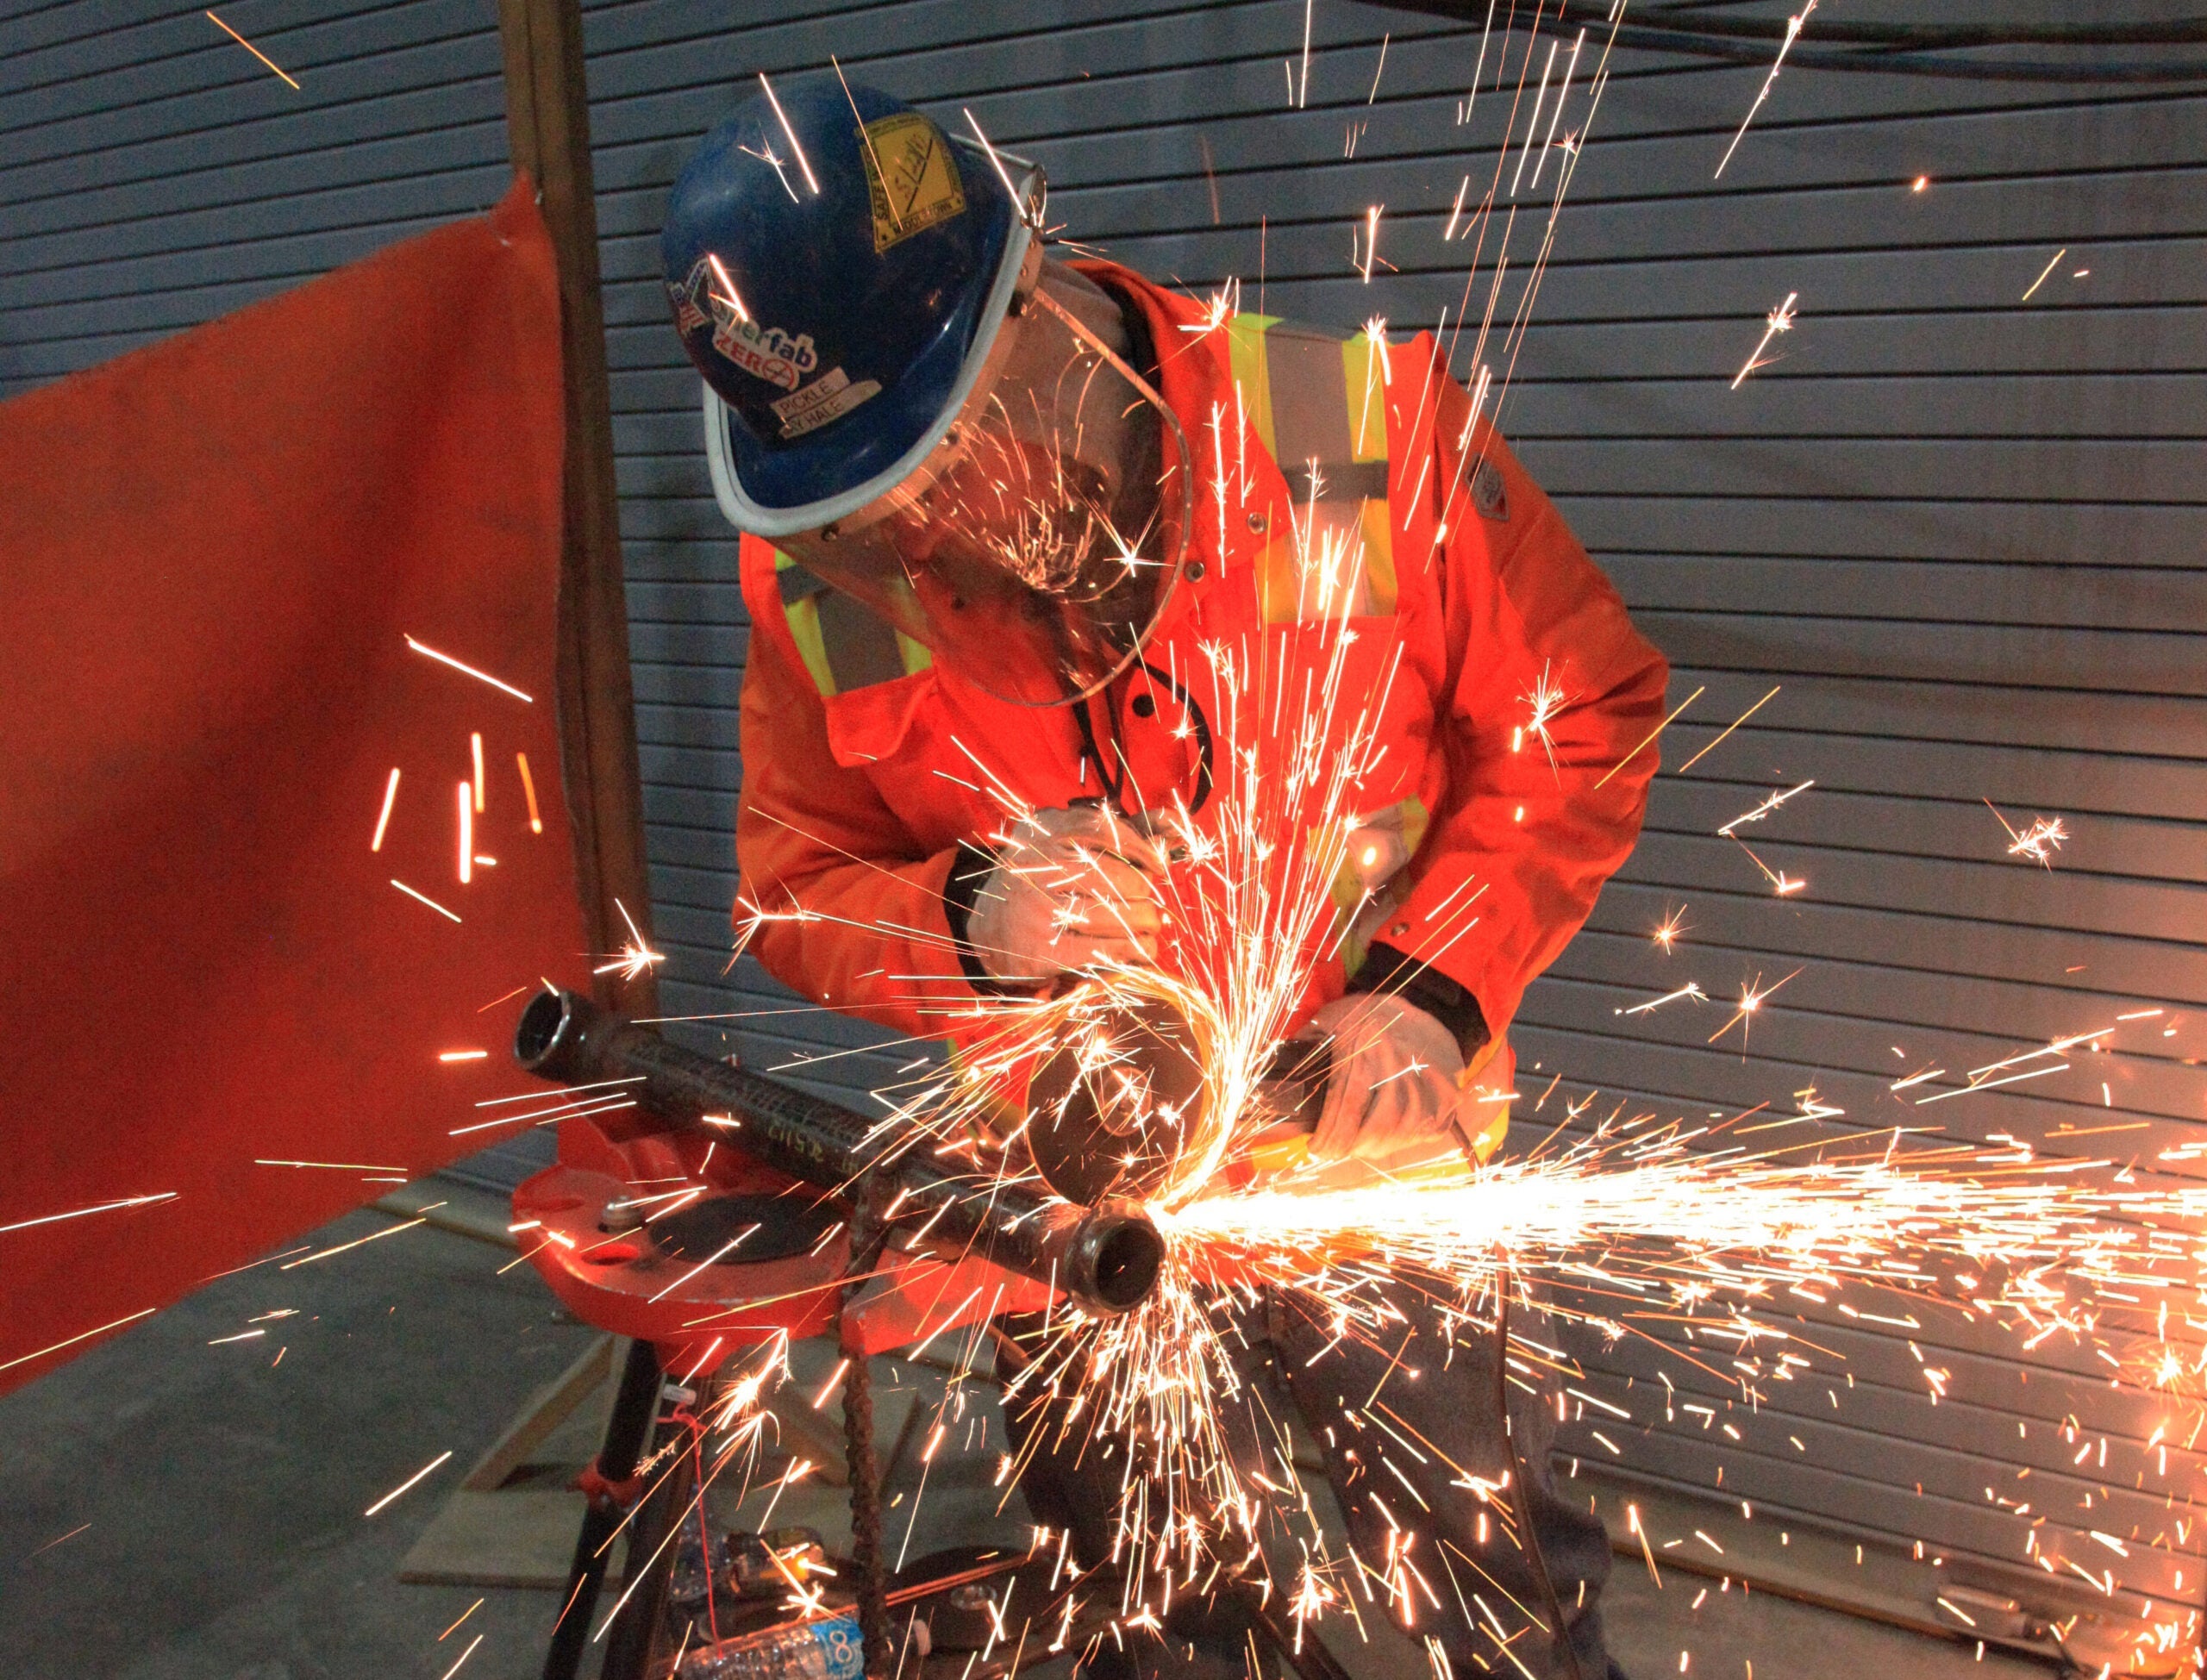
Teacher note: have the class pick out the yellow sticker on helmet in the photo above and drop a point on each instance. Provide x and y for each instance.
(910, 175)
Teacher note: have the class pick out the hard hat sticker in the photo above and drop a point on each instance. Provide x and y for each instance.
(910, 175)
(688, 317)
(764, 352)
(829, 397)
(767, 353)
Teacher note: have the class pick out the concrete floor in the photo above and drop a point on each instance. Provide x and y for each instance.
(183, 1508)
(1739, 1635)
(224, 1491)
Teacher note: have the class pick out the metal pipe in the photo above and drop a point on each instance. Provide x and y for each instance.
(1106, 1257)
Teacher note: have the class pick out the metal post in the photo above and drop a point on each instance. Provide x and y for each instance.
(547, 127)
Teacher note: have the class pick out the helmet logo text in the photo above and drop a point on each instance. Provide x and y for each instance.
(764, 352)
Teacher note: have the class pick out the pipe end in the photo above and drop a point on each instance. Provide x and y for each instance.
(1117, 1258)
(548, 1030)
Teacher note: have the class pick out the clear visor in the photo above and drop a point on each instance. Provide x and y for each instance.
(1034, 549)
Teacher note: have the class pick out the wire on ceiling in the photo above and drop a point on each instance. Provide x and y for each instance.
(1904, 49)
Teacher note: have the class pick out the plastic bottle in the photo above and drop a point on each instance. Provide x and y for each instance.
(831, 1649)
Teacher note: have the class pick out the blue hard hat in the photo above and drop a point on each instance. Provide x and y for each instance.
(836, 265)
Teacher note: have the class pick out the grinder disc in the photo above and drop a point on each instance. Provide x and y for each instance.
(1111, 1109)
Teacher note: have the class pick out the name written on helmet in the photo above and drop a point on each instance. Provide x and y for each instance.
(764, 352)
(830, 397)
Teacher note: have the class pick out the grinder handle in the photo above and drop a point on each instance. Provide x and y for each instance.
(1296, 1081)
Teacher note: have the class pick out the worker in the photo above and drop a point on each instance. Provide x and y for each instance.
(1051, 572)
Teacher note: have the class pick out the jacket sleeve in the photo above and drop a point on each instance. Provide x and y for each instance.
(1535, 819)
(853, 910)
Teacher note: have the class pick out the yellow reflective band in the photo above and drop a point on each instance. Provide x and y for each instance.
(1245, 343)
(1335, 458)
(844, 645)
(1364, 375)
(1365, 903)
(1364, 372)
(1380, 556)
(914, 656)
(803, 619)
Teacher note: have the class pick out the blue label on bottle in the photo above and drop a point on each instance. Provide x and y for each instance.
(842, 1648)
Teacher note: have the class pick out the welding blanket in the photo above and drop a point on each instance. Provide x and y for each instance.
(213, 553)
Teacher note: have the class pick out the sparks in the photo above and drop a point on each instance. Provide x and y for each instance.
(479, 676)
(1773, 804)
(1692, 989)
(728, 293)
(409, 1481)
(423, 898)
(85, 1213)
(1026, 210)
(251, 48)
(1779, 319)
(2038, 842)
(1752, 995)
(55, 1347)
(1726, 734)
(1542, 702)
(636, 956)
(1793, 34)
(528, 788)
(334, 1166)
(383, 820)
(796, 148)
(2051, 264)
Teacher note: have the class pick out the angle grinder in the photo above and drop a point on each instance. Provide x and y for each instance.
(1127, 1108)
(1124, 1107)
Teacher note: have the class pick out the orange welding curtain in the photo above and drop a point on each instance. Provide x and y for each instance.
(212, 555)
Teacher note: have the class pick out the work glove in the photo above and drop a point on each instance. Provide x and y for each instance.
(1396, 1076)
(1073, 889)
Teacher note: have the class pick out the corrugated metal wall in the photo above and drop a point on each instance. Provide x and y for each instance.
(1961, 532)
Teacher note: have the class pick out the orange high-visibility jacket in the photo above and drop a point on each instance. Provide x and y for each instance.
(865, 767)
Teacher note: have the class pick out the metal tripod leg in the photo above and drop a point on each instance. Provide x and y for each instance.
(639, 1620)
(633, 1408)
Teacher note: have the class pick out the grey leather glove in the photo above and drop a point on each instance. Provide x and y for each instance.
(1395, 1077)
(1073, 887)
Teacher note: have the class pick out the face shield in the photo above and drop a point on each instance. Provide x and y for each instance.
(1035, 545)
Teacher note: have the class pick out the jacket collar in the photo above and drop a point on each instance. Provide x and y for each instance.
(1195, 378)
